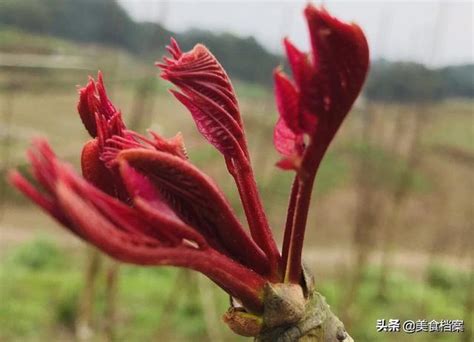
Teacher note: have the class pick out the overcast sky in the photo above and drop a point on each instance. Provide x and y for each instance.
(433, 32)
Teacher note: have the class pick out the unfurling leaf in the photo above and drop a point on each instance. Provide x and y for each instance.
(198, 202)
(326, 82)
(207, 93)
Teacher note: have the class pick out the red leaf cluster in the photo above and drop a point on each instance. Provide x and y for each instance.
(325, 84)
(142, 201)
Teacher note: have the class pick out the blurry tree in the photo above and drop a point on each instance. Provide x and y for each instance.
(101, 21)
(407, 82)
(457, 81)
(105, 22)
(402, 82)
(30, 15)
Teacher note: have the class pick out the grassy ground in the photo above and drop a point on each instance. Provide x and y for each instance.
(40, 283)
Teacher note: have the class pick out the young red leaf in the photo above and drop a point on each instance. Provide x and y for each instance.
(44, 201)
(341, 60)
(198, 201)
(126, 247)
(299, 62)
(328, 82)
(152, 206)
(124, 217)
(221, 132)
(93, 99)
(129, 139)
(287, 101)
(207, 93)
(94, 169)
(289, 144)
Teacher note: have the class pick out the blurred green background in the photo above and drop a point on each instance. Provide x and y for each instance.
(390, 230)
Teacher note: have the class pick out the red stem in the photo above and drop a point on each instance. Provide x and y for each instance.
(256, 218)
(305, 180)
(289, 222)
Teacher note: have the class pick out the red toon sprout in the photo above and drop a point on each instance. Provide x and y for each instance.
(326, 82)
(208, 94)
(142, 201)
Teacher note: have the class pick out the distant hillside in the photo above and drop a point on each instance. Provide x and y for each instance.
(100, 21)
(105, 22)
(458, 80)
(414, 82)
